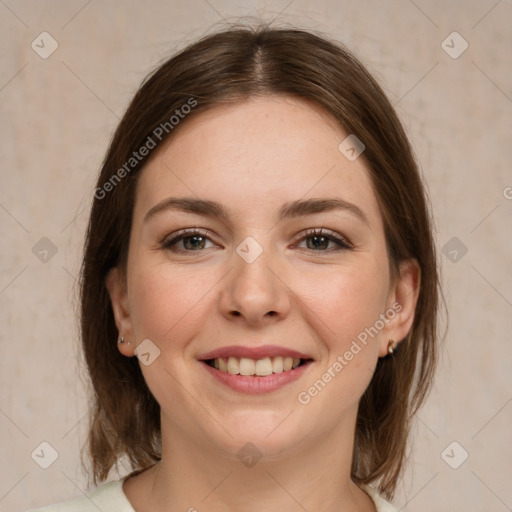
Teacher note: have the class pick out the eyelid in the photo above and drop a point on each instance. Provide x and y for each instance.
(342, 241)
(176, 236)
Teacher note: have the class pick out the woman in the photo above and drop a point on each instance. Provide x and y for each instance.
(260, 241)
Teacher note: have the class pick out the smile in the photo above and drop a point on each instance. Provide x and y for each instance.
(255, 367)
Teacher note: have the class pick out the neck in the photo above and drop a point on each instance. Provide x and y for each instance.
(190, 477)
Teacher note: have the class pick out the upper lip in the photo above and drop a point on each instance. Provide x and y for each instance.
(253, 352)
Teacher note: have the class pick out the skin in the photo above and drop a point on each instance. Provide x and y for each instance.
(252, 157)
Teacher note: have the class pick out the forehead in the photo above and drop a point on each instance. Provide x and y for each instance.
(257, 154)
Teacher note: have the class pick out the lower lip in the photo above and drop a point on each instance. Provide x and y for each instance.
(256, 385)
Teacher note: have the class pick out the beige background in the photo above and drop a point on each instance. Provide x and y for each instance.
(57, 116)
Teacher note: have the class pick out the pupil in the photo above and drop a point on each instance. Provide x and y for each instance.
(316, 239)
(195, 239)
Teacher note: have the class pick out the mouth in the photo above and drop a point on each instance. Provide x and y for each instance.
(262, 367)
(255, 370)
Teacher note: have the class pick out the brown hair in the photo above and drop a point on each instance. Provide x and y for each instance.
(230, 66)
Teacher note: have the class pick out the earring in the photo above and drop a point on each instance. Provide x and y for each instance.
(121, 340)
(391, 346)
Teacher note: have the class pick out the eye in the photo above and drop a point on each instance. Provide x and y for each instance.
(318, 240)
(191, 240)
(194, 240)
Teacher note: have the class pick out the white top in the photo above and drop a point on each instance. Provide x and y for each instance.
(110, 497)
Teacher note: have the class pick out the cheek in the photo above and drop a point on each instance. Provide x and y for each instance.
(344, 301)
(167, 307)
(166, 302)
(343, 307)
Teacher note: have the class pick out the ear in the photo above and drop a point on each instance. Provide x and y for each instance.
(116, 286)
(402, 300)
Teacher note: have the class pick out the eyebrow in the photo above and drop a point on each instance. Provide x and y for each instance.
(293, 209)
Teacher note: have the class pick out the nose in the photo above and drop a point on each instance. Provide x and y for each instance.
(255, 292)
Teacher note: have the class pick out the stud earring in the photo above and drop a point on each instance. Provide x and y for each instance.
(391, 346)
(121, 340)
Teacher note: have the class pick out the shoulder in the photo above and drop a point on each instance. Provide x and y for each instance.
(109, 496)
(381, 504)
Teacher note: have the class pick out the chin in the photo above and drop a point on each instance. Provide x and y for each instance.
(260, 435)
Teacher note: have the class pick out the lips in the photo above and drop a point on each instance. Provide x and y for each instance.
(253, 352)
(255, 369)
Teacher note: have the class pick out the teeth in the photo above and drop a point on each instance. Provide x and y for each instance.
(277, 364)
(264, 367)
(246, 366)
(259, 367)
(233, 365)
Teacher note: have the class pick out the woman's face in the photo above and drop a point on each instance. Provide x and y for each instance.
(229, 273)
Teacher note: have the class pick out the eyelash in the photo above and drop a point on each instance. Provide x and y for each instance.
(342, 243)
